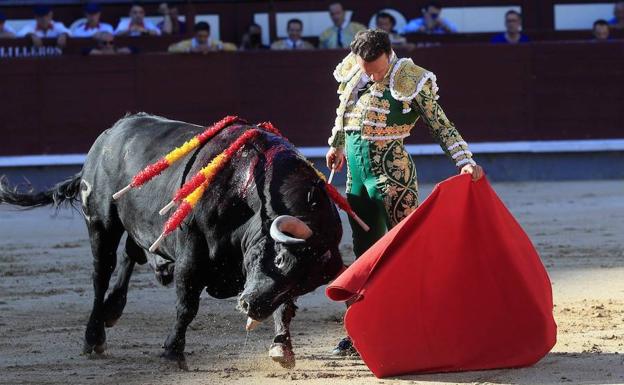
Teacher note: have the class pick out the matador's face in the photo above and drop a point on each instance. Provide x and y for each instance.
(376, 69)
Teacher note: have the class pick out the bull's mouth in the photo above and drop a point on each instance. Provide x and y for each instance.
(254, 313)
(251, 324)
(261, 312)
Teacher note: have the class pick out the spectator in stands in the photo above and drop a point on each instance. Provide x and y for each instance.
(431, 22)
(513, 26)
(601, 30)
(252, 39)
(201, 43)
(172, 24)
(618, 16)
(294, 41)
(92, 26)
(45, 27)
(342, 32)
(136, 25)
(386, 22)
(5, 30)
(106, 45)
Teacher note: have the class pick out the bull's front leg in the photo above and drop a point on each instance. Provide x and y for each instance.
(281, 348)
(188, 289)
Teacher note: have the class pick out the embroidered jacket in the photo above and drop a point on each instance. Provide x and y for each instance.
(389, 109)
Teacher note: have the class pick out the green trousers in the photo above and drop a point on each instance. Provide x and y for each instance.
(381, 187)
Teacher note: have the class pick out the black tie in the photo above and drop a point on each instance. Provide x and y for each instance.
(339, 37)
(364, 88)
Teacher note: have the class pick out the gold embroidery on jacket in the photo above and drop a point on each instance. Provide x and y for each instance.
(389, 131)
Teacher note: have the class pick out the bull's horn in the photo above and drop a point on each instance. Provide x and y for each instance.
(291, 225)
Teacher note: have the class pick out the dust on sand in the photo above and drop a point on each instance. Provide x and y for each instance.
(45, 299)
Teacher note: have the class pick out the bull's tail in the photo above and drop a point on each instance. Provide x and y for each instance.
(65, 192)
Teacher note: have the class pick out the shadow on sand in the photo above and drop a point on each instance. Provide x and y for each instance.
(555, 368)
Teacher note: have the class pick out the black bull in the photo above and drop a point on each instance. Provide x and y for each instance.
(230, 245)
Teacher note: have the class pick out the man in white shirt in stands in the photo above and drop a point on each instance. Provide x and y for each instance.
(92, 26)
(5, 30)
(294, 41)
(136, 25)
(45, 27)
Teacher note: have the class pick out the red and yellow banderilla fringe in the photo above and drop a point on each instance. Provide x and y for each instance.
(173, 156)
(338, 199)
(209, 170)
(190, 193)
(178, 216)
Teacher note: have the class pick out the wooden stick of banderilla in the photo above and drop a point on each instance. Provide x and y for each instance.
(331, 175)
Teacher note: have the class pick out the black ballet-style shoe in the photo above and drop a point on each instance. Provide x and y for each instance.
(345, 348)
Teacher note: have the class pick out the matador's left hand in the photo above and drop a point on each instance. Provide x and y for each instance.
(476, 171)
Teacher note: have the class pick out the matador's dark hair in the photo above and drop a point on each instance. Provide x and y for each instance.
(370, 44)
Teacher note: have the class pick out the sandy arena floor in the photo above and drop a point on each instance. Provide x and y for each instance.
(46, 294)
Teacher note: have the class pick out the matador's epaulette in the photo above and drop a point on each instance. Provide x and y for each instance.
(346, 69)
(407, 80)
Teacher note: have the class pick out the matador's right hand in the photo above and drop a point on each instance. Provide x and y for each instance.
(335, 158)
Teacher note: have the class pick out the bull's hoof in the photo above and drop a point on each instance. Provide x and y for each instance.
(283, 355)
(178, 358)
(87, 349)
(98, 349)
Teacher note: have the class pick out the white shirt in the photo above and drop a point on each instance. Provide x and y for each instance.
(56, 29)
(125, 24)
(210, 43)
(294, 44)
(364, 79)
(416, 24)
(82, 30)
(345, 24)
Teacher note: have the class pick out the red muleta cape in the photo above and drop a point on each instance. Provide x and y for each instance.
(455, 286)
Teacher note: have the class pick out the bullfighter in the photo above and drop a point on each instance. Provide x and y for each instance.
(381, 98)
